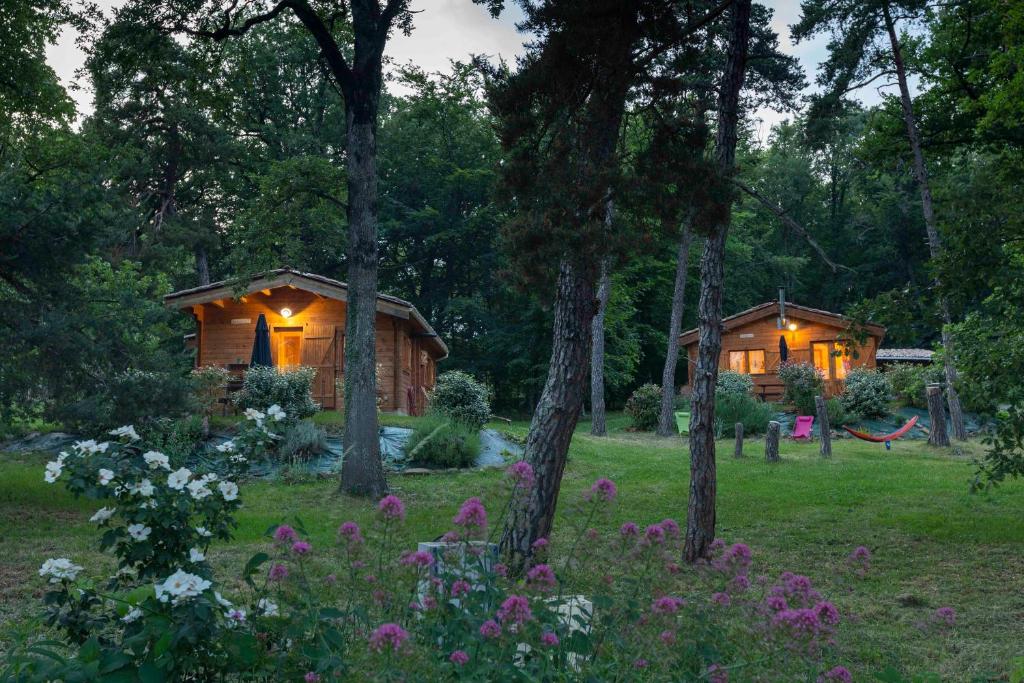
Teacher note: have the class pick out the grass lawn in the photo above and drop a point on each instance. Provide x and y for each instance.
(933, 543)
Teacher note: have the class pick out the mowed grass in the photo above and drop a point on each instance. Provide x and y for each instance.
(934, 544)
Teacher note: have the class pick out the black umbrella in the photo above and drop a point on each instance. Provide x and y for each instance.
(783, 349)
(261, 345)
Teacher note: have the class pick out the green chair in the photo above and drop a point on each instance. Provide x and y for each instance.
(683, 422)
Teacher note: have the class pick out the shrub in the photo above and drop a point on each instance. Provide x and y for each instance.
(290, 389)
(644, 406)
(731, 408)
(867, 393)
(302, 441)
(439, 441)
(459, 396)
(207, 384)
(129, 397)
(730, 382)
(400, 621)
(803, 382)
(908, 382)
(838, 415)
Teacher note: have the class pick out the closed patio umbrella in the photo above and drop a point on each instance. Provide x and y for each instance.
(261, 345)
(783, 349)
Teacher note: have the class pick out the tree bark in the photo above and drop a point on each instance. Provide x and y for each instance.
(598, 424)
(700, 520)
(937, 436)
(927, 208)
(738, 445)
(202, 265)
(554, 419)
(823, 427)
(362, 472)
(666, 424)
(771, 442)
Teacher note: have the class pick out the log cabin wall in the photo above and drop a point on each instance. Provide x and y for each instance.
(763, 335)
(316, 326)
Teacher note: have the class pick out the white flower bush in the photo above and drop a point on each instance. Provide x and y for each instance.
(60, 569)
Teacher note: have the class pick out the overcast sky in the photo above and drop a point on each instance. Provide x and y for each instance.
(455, 29)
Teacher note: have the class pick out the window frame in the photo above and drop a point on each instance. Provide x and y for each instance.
(746, 361)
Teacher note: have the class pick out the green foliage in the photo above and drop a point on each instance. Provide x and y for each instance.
(439, 441)
(301, 441)
(837, 413)
(908, 382)
(802, 383)
(730, 382)
(867, 393)
(644, 406)
(131, 396)
(460, 397)
(208, 384)
(263, 387)
(733, 407)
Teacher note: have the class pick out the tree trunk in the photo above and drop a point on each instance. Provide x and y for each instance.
(700, 519)
(738, 445)
(598, 426)
(554, 419)
(361, 471)
(666, 424)
(771, 442)
(937, 436)
(934, 239)
(202, 265)
(823, 427)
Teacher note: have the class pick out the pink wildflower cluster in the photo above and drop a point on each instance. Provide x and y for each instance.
(460, 587)
(838, 674)
(541, 577)
(391, 507)
(459, 657)
(603, 490)
(548, 638)
(515, 609)
(490, 629)
(667, 605)
(418, 558)
(301, 548)
(717, 674)
(388, 637)
(733, 561)
(521, 475)
(285, 534)
(945, 616)
(350, 533)
(629, 529)
(472, 516)
(860, 561)
(278, 572)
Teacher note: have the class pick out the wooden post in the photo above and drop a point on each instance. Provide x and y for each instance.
(824, 427)
(937, 415)
(771, 442)
(738, 453)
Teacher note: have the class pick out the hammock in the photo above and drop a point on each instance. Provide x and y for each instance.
(885, 438)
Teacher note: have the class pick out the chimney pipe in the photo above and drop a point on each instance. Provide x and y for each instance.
(782, 307)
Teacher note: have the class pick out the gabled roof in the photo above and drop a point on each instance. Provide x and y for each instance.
(771, 309)
(311, 282)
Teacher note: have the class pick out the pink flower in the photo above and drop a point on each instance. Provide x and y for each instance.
(460, 587)
(946, 616)
(860, 554)
(301, 548)
(604, 489)
(717, 674)
(331, 579)
(472, 515)
(670, 527)
(668, 637)
(521, 475)
(391, 507)
(541, 576)
(459, 657)
(839, 674)
(776, 603)
(419, 558)
(640, 663)
(827, 613)
(278, 572)
(667, 605)
(490, 629)
(672, 567)
(285, 534)
(800, 625)
(654, 534)
(739, 584)
(540, 544)
(548, 638)
(311, 677)
(716, 545)
(388, 636)
(501, 570)
(721, 599)
(629, 529)
(351, 533)
(516, 608)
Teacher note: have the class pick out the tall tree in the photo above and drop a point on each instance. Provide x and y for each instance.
(700, 519)
(866, 45)
(354, 59)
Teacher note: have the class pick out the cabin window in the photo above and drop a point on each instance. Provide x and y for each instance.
(749, 362)
(831, 359)
(289, 347)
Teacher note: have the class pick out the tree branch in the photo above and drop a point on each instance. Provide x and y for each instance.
(792, 224)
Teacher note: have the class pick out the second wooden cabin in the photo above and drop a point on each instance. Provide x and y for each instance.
(751, 345)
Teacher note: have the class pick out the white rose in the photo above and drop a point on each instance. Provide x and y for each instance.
(105, 476)
(195, 555)
(198, 489)
(177, 479)
(53, 471)
(59, 568)
(267, 608)
(203, 531)
(140, 532)
(226, 447)
(253, 414)
(228, 489)
(126, 431)
(276, 412)
(156, 459)
(102, 515)
(133, 614)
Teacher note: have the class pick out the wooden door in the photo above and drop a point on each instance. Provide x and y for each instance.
(318, 351)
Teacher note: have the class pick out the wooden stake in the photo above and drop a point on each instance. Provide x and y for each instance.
(771, 442)
(937, 415)
(738, 453)
(824, 428)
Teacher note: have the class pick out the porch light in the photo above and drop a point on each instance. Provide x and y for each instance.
(792, 327)
(286, 312)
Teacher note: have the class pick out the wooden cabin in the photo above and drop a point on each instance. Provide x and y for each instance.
(750, 344)
(306, 316)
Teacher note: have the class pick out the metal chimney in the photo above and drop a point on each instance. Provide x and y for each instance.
(782, 308)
